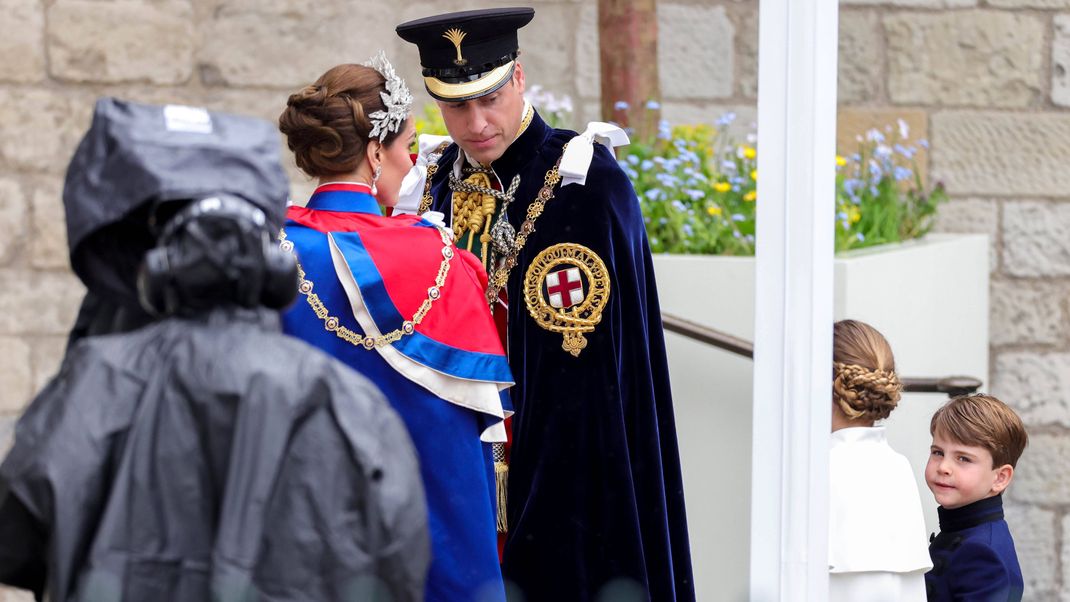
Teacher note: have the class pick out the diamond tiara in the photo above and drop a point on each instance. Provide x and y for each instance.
(396, 99)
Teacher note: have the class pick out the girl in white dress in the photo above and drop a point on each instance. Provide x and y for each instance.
(877, 546)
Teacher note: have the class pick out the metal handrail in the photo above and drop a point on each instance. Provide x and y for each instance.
(949, 385)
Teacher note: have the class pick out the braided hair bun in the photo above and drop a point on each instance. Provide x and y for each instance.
(326, 124)
(864, 383)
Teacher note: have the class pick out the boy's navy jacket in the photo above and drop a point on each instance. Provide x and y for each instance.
(973, 556)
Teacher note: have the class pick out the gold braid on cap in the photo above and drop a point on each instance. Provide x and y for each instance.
(864, 393)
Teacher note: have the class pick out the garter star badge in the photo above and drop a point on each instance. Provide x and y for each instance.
(566, 288)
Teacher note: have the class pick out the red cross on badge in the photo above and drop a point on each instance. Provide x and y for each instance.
(565, 288)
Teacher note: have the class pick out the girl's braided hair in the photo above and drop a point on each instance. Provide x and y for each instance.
(864, 383)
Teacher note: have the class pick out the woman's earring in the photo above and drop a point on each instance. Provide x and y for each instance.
(375, 178)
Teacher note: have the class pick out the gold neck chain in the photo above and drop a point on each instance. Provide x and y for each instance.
(501, 274)
(408, 327)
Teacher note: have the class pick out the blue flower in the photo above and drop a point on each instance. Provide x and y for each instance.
(696, 195)
(750, 238)
(688, 230)
(841, 215)
(923, 143)
(738, 217)
(647, 165)
(633, 159)
(875, 135)
(620, 105)
(728, 166)
(653, 105)
(654, 194)
(736, 234)
(861, 237)
(907, 151)
(631, 173)
(902, 173)
(679, 206)
(663, 221)
(851, 186)
(725, 119)
(664, 130)
(846, 225)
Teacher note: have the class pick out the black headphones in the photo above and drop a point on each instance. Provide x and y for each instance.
(247, 265)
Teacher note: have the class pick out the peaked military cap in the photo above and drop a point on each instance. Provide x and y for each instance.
(467, 54)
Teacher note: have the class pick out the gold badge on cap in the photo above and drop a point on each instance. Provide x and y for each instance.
(456, 36)
(566, 288)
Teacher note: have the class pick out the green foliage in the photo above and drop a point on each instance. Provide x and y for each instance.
(697, 190)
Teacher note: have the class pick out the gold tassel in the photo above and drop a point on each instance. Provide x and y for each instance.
(501, 484)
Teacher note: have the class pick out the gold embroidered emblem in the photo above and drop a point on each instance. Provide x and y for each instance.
(566, 288)
(456, 36)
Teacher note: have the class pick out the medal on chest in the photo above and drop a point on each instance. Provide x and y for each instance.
(566, 288)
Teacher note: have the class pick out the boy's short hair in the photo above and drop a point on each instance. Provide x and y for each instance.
(984, 421)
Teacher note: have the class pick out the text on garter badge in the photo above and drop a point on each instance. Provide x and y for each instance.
(566, 288)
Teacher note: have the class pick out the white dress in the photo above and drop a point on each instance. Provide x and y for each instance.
(877, 543)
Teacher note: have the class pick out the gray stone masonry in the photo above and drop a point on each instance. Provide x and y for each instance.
(986, 81)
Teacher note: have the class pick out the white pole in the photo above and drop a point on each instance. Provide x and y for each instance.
(794, 297)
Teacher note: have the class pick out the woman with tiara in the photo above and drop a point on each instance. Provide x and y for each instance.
(395, 300)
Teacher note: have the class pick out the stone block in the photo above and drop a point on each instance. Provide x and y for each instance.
(747, 57)
(547, 49)
(1036, 385)
(1065, 555)
(38, 302)
(695, 51)
(1036, 238)
(48, 352)
(972, 216)
(155, 43)
(272, 45)
(16, 379)
(913, 3)
(1060, 61)
(1042, 4)
(1041, 476)
(14, 220)
(588, 68)
(22, 34)
(1033, 530)
(41, 128)
(1008, 154)
(1028, 312)
(48, 243)
(970, 58)
(859, 66)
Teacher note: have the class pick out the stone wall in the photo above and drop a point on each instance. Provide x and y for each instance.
(986, 81)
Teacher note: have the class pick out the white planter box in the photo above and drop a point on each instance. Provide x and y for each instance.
(928, 297)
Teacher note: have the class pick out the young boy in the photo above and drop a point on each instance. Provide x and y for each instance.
(977, 440)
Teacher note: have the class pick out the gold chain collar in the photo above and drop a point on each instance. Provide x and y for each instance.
(501, 274)
(333, 324)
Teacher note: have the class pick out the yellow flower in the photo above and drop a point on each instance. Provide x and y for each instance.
(713, 210)
(722, 187)
(840, 161)
(854, 215)
(754, 174)
(749, 152)
(750, 196)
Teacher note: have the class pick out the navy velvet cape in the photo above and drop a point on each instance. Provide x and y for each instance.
(596, 501)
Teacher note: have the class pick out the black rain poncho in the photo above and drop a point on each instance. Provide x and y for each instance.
(202, 458)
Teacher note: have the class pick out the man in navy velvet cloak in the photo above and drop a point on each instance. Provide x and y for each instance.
(595, 498)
